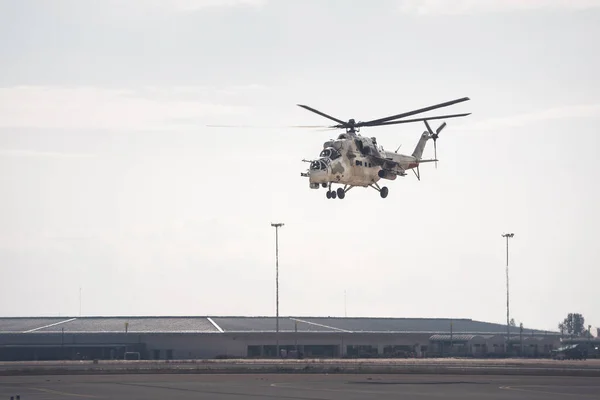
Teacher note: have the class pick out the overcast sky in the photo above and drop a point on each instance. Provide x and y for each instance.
(111, 181)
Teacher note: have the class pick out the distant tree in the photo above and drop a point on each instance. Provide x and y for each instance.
(512, 322)
(562, 328)
(573, 325)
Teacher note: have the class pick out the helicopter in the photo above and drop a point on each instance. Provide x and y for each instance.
(353, 160)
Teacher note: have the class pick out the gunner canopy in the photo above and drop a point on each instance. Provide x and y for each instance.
(318, 165)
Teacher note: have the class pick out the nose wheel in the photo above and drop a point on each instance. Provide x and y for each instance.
(340, 193)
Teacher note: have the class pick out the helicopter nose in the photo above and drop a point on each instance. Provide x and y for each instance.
(319, 174)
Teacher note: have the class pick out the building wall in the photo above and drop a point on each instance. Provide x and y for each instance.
(194, 346)
(237, 344)
(213, 345)
(375, 343)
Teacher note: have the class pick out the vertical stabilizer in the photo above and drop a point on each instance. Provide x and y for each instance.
(418, 153)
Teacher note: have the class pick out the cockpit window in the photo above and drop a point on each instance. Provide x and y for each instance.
(318, 165)
(330, 152)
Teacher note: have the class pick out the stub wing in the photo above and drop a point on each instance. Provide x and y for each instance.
(384, 163)
(387, 163)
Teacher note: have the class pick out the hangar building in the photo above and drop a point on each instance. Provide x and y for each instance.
(45, 338)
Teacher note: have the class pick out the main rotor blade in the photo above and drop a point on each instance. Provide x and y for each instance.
(409, 113)
(339, 121)
(405, 121)
(269, 127)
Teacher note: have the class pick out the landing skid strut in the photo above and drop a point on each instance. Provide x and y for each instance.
(417, 172)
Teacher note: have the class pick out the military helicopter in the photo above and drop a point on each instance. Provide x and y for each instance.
(353, 160)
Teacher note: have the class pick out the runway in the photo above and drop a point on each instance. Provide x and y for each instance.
(288, 386)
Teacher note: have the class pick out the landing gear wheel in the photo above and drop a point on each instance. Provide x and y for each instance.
(341, 193)
(333, 194)
(328, 194)
(384, 192)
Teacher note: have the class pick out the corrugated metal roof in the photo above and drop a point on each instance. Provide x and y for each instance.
(26, 324)
(264, 324)
(432, 325)
(251, 324)
(136, 324)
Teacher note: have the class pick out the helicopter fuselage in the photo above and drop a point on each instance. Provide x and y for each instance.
(342, 162)
(344, 171)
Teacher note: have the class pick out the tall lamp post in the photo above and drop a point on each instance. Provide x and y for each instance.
(507, 236)
(277, 226)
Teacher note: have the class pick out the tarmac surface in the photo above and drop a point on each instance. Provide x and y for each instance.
(519, 367)
(291, 386)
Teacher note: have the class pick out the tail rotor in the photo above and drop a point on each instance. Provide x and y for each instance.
(434, 136)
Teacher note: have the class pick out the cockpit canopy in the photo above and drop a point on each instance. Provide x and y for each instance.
(318, 165)
(330, 153)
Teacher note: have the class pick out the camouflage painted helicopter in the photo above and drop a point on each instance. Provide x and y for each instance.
(353, 160)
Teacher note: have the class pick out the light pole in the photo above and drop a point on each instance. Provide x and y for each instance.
(507, 236)
(277, 226)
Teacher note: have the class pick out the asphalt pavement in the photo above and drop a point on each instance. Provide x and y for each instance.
(517, 367)
(295, 386)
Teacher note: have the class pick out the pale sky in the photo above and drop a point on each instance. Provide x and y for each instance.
(111, 181)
